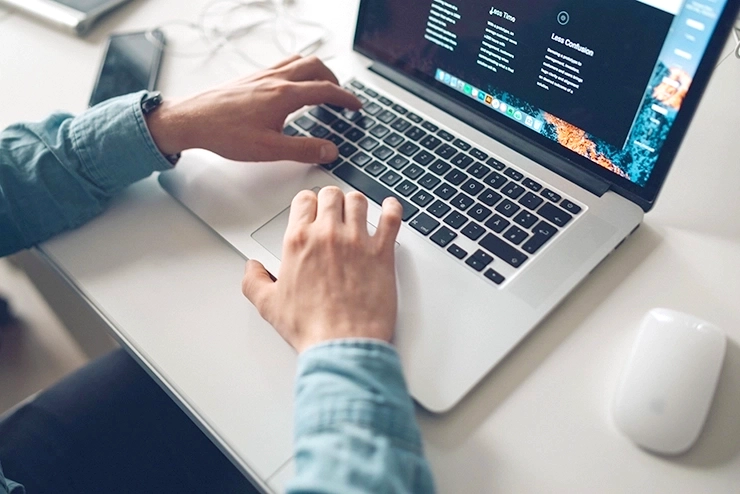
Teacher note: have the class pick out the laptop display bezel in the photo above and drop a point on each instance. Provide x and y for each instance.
(547, 152)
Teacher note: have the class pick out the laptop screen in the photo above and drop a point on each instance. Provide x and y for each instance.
(600, 83)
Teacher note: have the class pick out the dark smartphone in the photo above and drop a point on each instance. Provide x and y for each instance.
(131, 63)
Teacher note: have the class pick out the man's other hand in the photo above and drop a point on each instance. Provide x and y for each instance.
(336, 280)
(243, 120)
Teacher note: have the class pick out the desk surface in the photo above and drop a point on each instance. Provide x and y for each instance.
(540, 422)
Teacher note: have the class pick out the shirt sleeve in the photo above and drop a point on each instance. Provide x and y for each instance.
(7, 486)
(60, 172)
(355, 428)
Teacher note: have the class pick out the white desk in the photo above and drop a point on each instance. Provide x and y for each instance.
(539, 423)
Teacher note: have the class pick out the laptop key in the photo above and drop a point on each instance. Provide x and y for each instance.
(340, 126)
(494, 276)
(408, 148)
(525, 219)
(372, 189)
(439, 167)
(495, 180)
(489, 197)
(380, 131)
(570, 207)
(507, 208)
(400, 109)
(513, 174)
(503, 250)
(372, 108)
(472, 187)
(443, 236)
(351, 115)
(497, 223)
(385, 101)
(542, 233)
(414, 117)
(383, 152)
(479, 170)
(515, 235)
(290, 131)
(424, 158)
(415, 134)
(462, 201)
(413, 171)
(478, 154)
(319, 131)
(456, 177)
(445, 191)
(430, 126)
(422, 198)
(424, 224)
(494, 163)
(333, 164)
(479, 212)
(554, 214)
(553, 196)
(335, 139)
(445, 136)
(398, 162)
(406, 188)
(462, 161)
(375, 168)
(445, 151)
(393, 140)
(305, 123)
(459, 143)
(354, 134)
(386, 117)
(455, 219)
(357, 84)
(429, 181)
(531, 184)
(439, 209)
(457, 251)
(513, 190)
(361, 159)
(391, 178)
(473, 230)
(430, 142)
(400, 125)
(347, 150)
(368, 144)
(365, 123)
(479, 260)
(531, 201)
(323, 115)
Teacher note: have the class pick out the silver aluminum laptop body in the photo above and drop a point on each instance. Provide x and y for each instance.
(454, 325)
(76, 16)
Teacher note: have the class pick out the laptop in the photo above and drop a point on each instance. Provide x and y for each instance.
(525, 141)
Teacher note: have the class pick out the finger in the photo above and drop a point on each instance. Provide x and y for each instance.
(390, 222)
(286, 62)
(317, 93)
(303, 149)
(309, 69)
(302, 209)
(330, 207)
(258, 286)
(355, 212)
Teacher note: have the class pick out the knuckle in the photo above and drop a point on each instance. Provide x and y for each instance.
(296, 239)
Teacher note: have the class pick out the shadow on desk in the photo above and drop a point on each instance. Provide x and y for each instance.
(719, 442)
(509, 375)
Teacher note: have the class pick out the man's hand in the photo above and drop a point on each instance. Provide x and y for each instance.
(335, 281)
(243, 120)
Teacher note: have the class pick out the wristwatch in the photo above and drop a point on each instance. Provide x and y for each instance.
(150, 102)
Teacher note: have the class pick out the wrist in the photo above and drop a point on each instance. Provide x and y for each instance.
(167, 129)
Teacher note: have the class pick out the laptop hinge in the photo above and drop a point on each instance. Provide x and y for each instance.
(567, 169)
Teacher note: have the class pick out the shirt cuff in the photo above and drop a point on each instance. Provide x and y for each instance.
(115, 144)
(357, 382)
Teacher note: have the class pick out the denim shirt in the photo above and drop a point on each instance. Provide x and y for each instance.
(355, 429)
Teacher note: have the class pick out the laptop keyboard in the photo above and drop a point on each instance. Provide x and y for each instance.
(488, 215)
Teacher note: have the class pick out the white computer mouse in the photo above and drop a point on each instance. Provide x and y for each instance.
(667, 386)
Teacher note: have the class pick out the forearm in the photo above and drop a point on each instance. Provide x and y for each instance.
(355, 424)
(59, 173)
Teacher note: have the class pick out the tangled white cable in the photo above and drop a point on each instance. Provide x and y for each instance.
(214, 32)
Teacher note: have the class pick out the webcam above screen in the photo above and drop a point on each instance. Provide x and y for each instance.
(76, 16)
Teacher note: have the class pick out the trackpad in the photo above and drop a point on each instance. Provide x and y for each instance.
(270, 235)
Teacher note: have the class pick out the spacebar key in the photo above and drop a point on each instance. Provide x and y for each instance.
(503, 250)
(372, 189)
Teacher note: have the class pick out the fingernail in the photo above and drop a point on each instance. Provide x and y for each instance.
(327, 153)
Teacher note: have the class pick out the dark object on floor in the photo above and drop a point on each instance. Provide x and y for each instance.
(6, 317)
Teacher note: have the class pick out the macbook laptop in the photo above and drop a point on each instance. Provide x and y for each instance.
(525, 141)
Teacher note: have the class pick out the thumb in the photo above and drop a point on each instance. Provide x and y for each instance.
(257, 286)
(305, 149)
